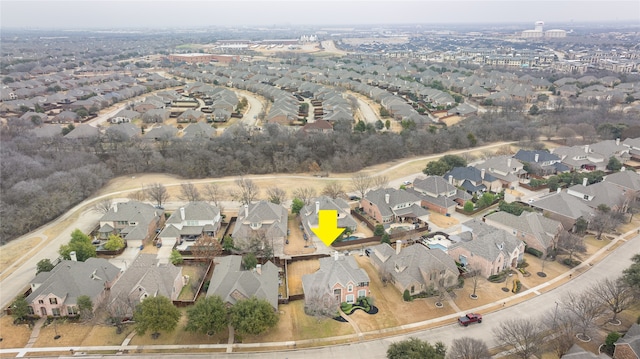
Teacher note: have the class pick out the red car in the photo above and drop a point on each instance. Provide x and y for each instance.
(470, 318)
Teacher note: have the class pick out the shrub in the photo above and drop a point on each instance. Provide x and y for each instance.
(609, 342)
(523, 264)
(406, 295)
(533, 252)
(468, 206)
(346, 307)
(460, 282)
(516, 286)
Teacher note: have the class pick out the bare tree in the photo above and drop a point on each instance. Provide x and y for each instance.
(525, 336)
(189, 192)
(468, 348)
(214, 194)
(615, 294)
(276, 195)
(474, 274)
(305, 194)
(361, 183)
(584, 310)
(103, 206)
(562, 325)
(206, 247)
(247, 191)
(385, 275)
(137, 195)
(334, 190)
(379, 182)
(571, 244)
(604, 220)
(319, 303)
(157, 193)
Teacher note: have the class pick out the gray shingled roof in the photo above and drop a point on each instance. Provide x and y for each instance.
(469, 173)
(194, 211)
(396, 197)
(334, 271)
(625, 179)
(144, 276)
(600, 193)
(564, 204)
(487, 241)
(71, 279)
(133, 211)
(544, 229)
(272, 216)
(411, 262)
(632, 338)
(529, 156)
(231, 283)
(309, 217)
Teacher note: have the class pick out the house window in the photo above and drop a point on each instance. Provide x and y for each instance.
(362, 293)
(55, 312)
(72, 310)
(40, 301)
(53, 300)
(350, 298)
(255, 225)
(586, 197)
(413, 289)
(350, 288)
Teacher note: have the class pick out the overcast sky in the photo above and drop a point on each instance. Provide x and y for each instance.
(164, 13)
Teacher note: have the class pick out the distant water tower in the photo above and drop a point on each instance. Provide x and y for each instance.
(539, 25)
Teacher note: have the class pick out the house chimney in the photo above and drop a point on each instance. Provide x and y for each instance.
(317, 207)
(559, 190)
(259, 268)
(386, 198)
(509, 162)
(536, 157)
(618, 141)
(115, 208)
(584, 181)
(335, 255)
(73, 256)
(182, 213)
(586, 148)
(246, 210)
(482, 172)
(398, 246)
(451, 180)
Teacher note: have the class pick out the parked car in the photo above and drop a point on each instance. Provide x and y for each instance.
(470, 318)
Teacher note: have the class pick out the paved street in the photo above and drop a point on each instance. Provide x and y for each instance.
(610, 266)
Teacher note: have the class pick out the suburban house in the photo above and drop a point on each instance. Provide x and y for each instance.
(564, 208)
(633, 144)
(339, 279)
(537, 231)
(143, 278)
(309, 214)
(506, 169)
(260, 221)
(388, 205)
(414, 268)
(318, 126)
(439, 195)
(190, 222)
(629, 181)
(595, 194)
(133, 221)
(581, 158)
(577, 352)
(231, 283)
(473, 180)
(488, 249)
(56, 293)
(541, 163)
(628, 347)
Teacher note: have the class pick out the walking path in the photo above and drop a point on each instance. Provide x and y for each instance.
(353, 324)
(35, 333)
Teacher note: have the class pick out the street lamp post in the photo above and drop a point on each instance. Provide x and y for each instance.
(555, 315)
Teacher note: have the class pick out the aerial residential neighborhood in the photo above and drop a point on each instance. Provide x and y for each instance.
(450, 189)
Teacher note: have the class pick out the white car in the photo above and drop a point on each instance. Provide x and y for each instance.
(406, 183)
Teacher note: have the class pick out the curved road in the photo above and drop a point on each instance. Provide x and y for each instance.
(18, 275)
(610, 266)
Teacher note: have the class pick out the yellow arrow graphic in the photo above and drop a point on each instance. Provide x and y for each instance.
(327, 229)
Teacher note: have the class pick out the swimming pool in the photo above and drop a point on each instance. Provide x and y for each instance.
(437, 246)
(351, 238)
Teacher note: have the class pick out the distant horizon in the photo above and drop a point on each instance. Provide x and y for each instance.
(172, 14)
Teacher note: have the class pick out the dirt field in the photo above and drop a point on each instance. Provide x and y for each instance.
(442, 221)
(13, 336)
(295, 272)
(453, 120)
(296, 241)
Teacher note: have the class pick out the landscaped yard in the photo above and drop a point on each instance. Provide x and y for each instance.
(196, 274)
